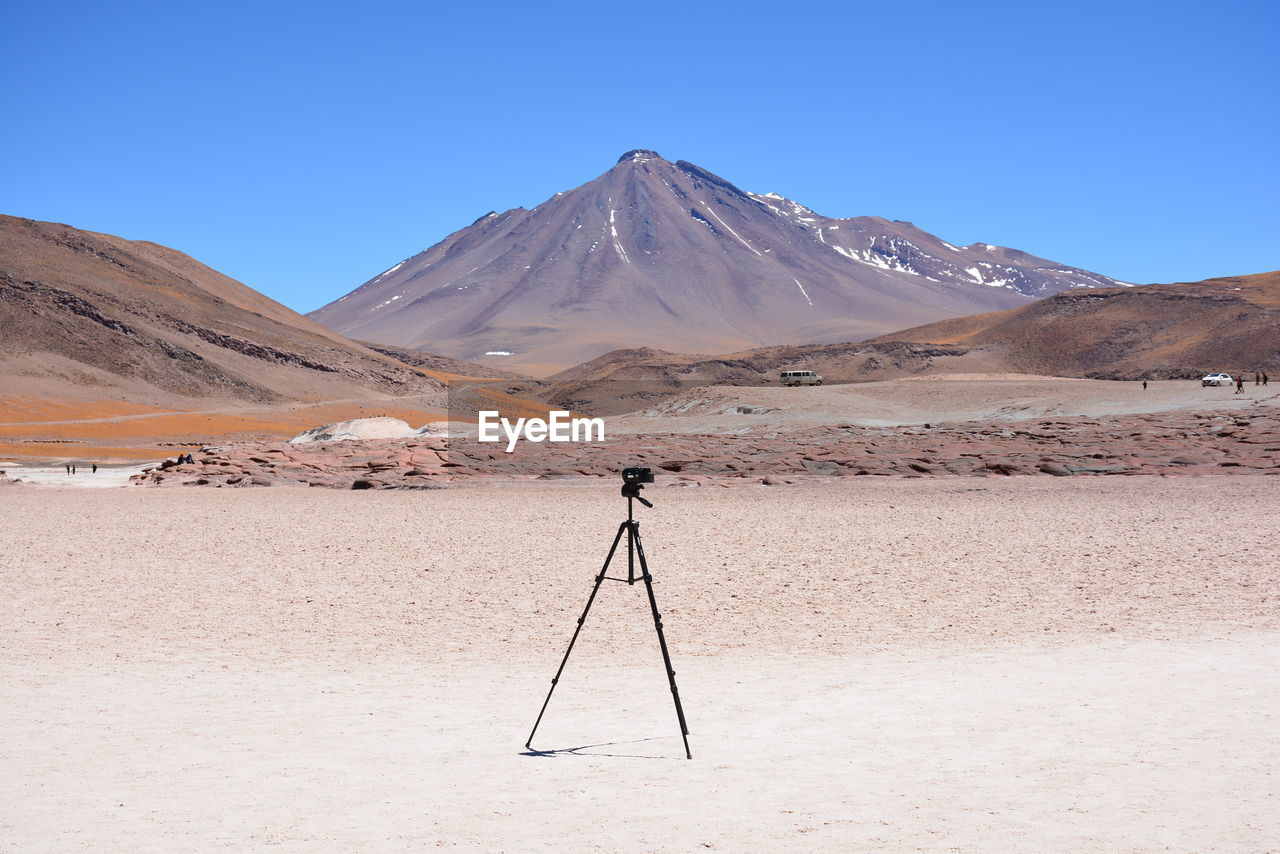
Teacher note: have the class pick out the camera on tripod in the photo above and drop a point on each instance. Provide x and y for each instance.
(637, 475)
(633, 480)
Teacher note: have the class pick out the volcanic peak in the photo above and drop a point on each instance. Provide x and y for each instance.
(639, 155)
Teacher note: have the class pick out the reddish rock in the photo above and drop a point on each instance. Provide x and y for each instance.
(1160, 444)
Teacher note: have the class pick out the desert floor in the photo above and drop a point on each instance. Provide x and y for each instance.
(43, 432)
(938, 399)
(111, 431)
(994, 665)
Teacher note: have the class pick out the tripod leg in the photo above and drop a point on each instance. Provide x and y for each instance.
(594, 590)
(634, 535)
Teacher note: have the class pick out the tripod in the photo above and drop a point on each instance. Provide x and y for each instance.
(631, 527)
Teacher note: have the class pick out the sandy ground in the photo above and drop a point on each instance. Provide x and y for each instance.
(937, 400)
(105, 477)
(110, 431)
(1008, 665)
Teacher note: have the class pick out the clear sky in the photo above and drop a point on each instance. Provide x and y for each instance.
(304, 147)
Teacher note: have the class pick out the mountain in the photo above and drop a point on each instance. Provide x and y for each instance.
(435, 364)
(668, 255)
(1155, 331)
(92, 316)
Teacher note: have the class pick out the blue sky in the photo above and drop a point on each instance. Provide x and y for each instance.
(304, 147)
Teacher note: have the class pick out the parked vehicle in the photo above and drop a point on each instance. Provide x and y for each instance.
(794, 378)
(1217, 379)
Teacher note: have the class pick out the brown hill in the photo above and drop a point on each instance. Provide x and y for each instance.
(626, 380)
(92, 315)
(1155, 331)
(113, 347)
(665, 254)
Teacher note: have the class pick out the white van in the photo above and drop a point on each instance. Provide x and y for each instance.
(794, 378)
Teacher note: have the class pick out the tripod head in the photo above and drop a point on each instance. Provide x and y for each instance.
(633, 480)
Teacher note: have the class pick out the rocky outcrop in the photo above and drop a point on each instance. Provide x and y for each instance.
(1169, 444)
(357, 429)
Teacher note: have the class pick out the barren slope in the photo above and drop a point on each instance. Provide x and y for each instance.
(91, 316)
(1178, 330)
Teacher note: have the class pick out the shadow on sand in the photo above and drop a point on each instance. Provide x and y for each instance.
(590, 750)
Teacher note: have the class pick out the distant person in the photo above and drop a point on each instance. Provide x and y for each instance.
(1240, 384)
(73, 468)
(1257, 379)
(67, 466)
(1144, 385)
(95, 468)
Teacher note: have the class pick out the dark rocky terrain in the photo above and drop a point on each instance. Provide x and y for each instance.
(668, 255)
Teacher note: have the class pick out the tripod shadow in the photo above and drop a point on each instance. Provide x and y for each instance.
(588, 750)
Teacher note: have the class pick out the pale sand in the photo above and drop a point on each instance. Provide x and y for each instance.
(105, 477)
(935, 399)
(1003, 665)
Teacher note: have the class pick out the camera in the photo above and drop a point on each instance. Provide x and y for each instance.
(633, 480)
(637, 475)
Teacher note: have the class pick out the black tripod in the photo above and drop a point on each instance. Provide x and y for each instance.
(633, 482)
